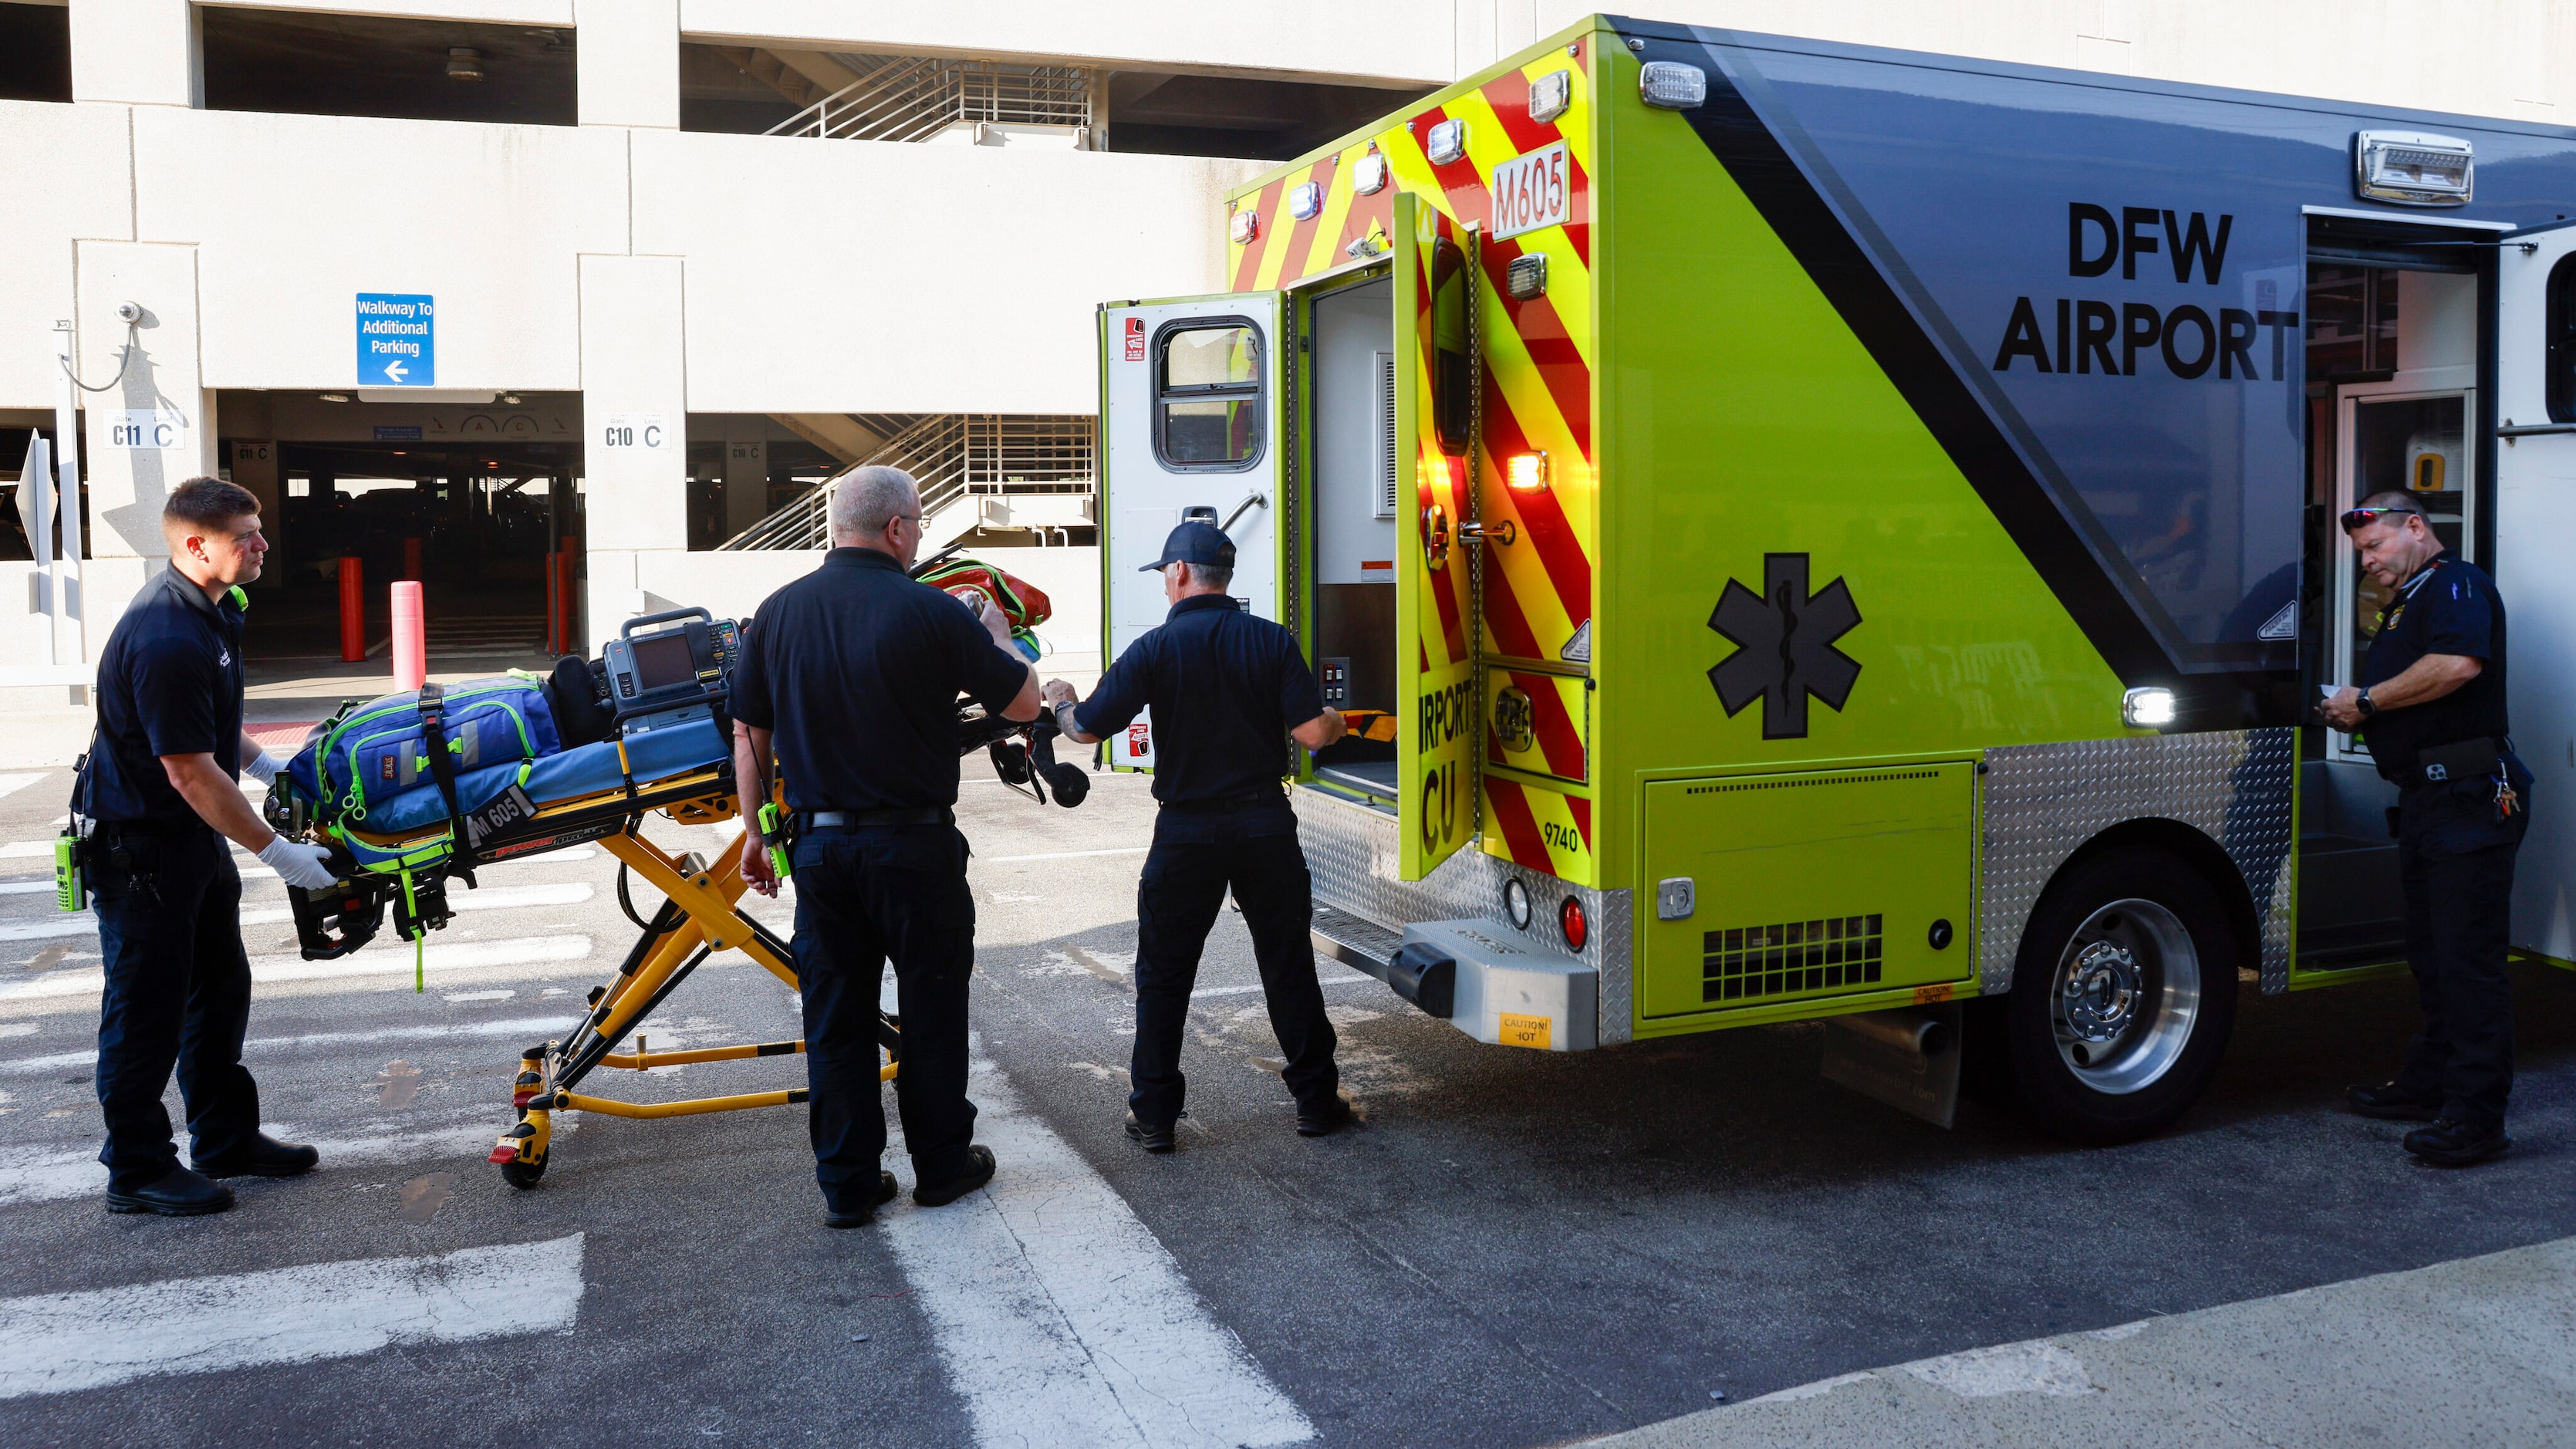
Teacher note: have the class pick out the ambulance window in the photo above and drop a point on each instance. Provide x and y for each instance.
(2560, 326)
(1207, 394)
(1453, 396)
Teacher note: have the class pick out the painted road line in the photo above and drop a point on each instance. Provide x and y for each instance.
(385, 960)
(17, 780)
(535, 1028)
(16, 848)
(24, 887)
(495, 898)
(1061, 1319)
(1321, 979)
(1062, 855)
(55, 1173)
(58, 1343)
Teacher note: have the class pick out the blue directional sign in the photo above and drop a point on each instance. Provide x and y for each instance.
(397, 340)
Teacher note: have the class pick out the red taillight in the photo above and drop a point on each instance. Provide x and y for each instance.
(1570, 916)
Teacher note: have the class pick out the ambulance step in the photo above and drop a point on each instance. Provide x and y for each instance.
(1354, 942)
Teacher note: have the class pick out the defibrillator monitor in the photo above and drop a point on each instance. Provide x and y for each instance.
(671, 668)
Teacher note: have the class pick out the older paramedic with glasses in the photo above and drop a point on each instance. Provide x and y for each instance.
(851, 675)
(2431, 707)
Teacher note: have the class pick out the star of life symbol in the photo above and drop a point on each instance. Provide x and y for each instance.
(1786, 646)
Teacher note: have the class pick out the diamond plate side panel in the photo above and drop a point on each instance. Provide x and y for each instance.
(1352, 852)
(2041, 802)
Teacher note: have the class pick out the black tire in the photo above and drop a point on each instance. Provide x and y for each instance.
(2146, 941)
(523, 1175)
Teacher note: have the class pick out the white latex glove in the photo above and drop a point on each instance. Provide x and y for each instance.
(264, 769)
(298, 864)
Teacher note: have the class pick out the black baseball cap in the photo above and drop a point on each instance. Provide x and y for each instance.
(1203, 544)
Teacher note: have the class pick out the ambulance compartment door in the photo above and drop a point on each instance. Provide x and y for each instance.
(1189, 429)
(1436, 536)
(2535, 521)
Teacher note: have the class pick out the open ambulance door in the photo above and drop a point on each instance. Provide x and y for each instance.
(1189, 429)
(2535, 513)
(1436, 626)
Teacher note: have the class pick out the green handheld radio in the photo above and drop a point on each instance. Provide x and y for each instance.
(71, 883)
(770, 819)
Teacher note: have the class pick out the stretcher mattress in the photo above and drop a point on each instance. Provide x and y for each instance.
(583, 770)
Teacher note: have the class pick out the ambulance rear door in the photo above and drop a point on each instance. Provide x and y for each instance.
(1189, 429)
(2535, 527)
(1436, 627)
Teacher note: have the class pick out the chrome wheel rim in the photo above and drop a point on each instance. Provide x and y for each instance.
(2125, 997)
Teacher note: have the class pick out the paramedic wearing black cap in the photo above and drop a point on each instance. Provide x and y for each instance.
(2432, 709)
(852, 673)
(1227, 691)
(163, 786)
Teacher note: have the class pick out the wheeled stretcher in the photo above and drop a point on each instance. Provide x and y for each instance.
(674, 761)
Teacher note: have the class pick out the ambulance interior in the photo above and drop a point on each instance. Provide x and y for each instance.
(2392, 317)
(1354, 538)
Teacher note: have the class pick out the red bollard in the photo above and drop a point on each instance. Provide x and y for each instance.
(353, 610)
(411, 558)
(411, 647)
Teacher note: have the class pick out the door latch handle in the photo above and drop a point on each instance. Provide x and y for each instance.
(1501, 533)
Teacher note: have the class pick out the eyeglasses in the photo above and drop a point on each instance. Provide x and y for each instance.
(2360, 517)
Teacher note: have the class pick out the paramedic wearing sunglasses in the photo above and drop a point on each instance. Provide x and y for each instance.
(2432, 709)
(1227, 691)
(851, 675)
(162, 783)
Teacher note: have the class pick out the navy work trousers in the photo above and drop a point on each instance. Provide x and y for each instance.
(1186, 877)
(865, 894)
(178, 995)
(2455, 860)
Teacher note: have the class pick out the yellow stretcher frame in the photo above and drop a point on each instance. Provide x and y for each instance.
(699, 916)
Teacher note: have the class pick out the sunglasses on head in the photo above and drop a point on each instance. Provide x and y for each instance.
(2357, 517)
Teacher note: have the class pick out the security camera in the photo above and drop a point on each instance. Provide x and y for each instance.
(129, 313)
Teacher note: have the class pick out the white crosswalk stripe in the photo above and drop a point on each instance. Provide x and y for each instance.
(56, 1343)
(17, 780)
(491, 898)
(53, 1173)
(380, 960)
(532, 1027)
(1062, 1319)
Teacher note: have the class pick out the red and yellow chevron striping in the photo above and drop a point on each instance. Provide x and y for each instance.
(1540, 829)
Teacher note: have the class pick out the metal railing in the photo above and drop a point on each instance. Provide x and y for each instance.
(950, 455)
(913, 98)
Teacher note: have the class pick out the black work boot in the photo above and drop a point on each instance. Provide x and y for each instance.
(1152, 1139)
(1325, 1118)
(948, 1190)
(177, 1193)
(866, 1212)
(2452, 1143)
(2389, 1103)
(265, 1157)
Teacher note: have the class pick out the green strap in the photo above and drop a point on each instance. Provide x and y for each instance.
(419, 940)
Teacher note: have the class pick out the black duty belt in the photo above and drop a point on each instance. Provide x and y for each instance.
(1249, 800)
(2470, 759)
(164, 829)
(854, 819)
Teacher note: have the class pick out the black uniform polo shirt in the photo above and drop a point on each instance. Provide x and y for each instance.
(857, 669)
(2449, 607)
(169, 683)
(1225, 687)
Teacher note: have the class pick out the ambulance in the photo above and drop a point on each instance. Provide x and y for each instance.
(1808, 531)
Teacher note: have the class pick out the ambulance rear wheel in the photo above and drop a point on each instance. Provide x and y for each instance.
(2123, 997)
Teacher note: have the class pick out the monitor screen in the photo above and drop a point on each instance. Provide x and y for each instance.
(662, 660)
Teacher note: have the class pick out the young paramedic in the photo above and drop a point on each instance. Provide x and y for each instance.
(2432, 708)
(1227, 690)
(163, 785)
(852, 673)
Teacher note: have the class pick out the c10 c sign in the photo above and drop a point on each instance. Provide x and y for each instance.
(1530, 192)
(645, 431)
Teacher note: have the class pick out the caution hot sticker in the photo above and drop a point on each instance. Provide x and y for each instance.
(1514, 1029)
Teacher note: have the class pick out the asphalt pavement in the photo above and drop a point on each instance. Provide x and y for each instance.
(1513, 1249)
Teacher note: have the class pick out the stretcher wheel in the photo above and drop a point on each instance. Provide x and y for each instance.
(523, 1175)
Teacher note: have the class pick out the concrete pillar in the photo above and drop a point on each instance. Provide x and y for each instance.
(140, 52)
(254, 464)
(746, 472)
(150, 431)
(629, 57)
(635, 410)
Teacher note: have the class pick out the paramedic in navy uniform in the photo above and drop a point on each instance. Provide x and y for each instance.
(163, 783)
(1227, 691)
(2432, 707)
(852, 673)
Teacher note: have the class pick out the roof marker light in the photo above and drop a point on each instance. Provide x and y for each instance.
(2411, 168)
(2150, 708)
(1669, 85)
(1369, 175)
(1527, 472)
(1305, 199)
(1550, 94)
(1245, 226)
(1526, 276)
(1448, 142)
